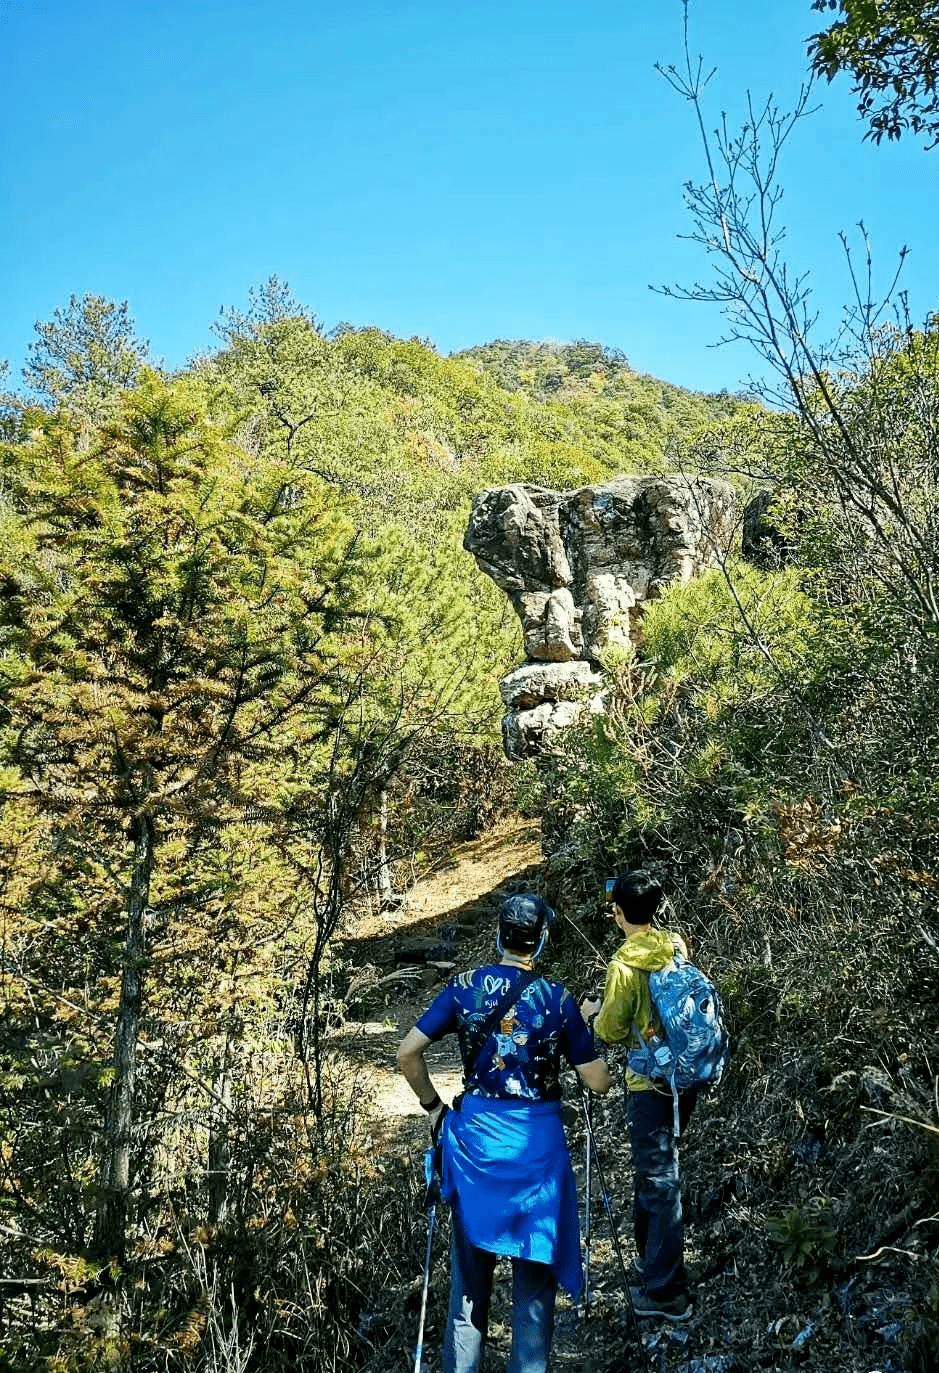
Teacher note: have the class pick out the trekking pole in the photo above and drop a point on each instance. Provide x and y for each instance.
(587, 1187)
(589, 1110)
(431, 1195)
(607, 1206)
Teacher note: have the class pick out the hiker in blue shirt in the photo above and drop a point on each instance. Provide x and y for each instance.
(505, 1167)
(627, 1016)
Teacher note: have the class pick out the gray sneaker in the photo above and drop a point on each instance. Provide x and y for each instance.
(675, 1309)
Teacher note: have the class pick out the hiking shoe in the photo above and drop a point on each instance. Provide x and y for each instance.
(674, 1309)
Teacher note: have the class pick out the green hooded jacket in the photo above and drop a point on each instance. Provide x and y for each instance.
(627, 1002)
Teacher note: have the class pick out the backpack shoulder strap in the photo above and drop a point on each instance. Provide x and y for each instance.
(507, 999)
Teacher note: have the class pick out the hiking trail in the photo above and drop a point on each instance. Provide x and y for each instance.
(447, 922)
(747, 1316)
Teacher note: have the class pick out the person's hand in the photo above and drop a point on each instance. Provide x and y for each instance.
(435, 1119)
(590, 1006)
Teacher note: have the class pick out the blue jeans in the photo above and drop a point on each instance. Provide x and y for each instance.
(659, 1227)
(533, 1292)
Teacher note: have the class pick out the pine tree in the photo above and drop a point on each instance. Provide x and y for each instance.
(85, 356)
(173, 662)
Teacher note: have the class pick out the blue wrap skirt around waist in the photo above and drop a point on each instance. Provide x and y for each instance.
(506, 1173)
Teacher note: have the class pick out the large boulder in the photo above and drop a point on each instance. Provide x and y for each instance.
(578, 567)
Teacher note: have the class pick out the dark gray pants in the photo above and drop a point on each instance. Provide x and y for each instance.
(659, 1227)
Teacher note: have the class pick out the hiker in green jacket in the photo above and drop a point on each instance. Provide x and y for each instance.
(627, 1016)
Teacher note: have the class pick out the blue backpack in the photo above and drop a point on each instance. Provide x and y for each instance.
(694, 1045)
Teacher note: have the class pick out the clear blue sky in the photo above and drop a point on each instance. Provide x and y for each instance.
(460, 170)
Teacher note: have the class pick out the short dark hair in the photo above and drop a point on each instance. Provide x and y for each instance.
(638, 896)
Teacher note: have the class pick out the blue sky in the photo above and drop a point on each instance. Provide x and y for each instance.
(459, 170)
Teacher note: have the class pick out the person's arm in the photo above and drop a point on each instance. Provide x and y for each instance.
(615, 1017)
(411, 1062)
(411, 1052)
(595, 1075)
(592, 1071)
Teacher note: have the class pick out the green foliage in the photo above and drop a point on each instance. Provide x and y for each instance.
(198, 647)
(891, 51)
(739, 632)
(236, 616)
(407, 438)
(85, 356)
(160, 581)
(708, 706)
(626, 421)
(768, 755)
(804, 1236)
(416, 434)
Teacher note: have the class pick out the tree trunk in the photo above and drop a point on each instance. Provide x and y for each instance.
(219, 1160)
(114, 1182)
(385, 887)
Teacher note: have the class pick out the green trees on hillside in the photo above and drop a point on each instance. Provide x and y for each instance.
(169, 628)
(770, 751)
(771, 747)
(384, 425)
(245, 666)
(624, 421)
(207, 673)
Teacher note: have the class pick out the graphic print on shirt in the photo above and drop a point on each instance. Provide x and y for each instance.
(511, 1044)
(521, 1058)
(487, 990)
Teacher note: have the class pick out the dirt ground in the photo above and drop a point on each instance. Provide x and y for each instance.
(460, 897)
(750, 1312)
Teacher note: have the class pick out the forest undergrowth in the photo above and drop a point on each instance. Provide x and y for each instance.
(809, 1177)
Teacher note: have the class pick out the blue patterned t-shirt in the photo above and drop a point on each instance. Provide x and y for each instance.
(521, 1057)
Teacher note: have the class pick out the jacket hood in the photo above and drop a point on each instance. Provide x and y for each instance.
(650, 950)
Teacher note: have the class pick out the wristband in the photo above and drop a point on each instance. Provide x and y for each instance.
(438, 1123)
(432, 1104)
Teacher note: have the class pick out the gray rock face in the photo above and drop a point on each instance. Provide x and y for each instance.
(577, 567)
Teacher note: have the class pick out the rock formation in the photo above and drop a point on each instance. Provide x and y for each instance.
(578, 566)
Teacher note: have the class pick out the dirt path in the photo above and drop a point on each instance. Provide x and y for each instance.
(447, 920)
(405, 956)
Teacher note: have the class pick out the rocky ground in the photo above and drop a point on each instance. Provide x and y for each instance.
(757, 1305)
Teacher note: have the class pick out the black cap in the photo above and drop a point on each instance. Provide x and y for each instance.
(523, 920)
